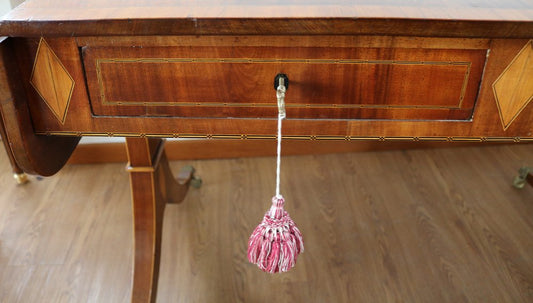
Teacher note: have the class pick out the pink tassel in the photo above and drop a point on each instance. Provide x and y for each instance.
(275, 243)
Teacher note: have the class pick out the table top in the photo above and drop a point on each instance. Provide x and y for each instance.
(512, 10)
(102, 17)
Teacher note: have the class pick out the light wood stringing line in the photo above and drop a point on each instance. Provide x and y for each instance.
(272, 137)
(105, 101)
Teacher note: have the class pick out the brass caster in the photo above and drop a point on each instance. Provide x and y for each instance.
(186, 174)
(21, 178)
(521, 180)
(196, 182)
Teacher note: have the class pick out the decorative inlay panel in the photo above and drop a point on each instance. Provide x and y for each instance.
(420, 68)
(52, 81)
(513, 89)
(326, 82)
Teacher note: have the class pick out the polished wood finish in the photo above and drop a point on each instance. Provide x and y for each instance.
(514, 88)
(14, 166)
(34, 154)
(433, 225)
(323, 41)
(449, 18)
(479, 126)
(50, 79)
(325, 83)
(374, 44)
(152, 186)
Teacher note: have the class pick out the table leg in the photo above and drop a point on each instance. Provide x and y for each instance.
(152, 186)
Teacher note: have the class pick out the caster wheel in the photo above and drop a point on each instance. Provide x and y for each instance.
(186, 174)
(520, 180)
(21, 178)
(196, 182)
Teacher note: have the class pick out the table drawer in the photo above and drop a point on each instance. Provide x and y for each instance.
(325, 82)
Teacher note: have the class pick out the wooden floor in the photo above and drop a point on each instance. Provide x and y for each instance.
(440, 225)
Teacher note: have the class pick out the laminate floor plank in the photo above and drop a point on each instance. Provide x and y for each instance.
(438, 225)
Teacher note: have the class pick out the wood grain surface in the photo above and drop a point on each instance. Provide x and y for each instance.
(9, 153)
(33, 154)
(433, 9)
(80, 120)
(376, 229)
(51, 80)
(466, 18)
(514, 88)
(147, 217)
(416, 226)
(325, 83)
(152, 187)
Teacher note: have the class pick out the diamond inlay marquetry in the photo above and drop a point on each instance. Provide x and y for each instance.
(52, 81)
(513, 89)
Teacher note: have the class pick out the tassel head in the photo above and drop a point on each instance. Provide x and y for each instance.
(276, 242)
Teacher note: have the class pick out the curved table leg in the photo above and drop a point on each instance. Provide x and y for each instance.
(152, 186)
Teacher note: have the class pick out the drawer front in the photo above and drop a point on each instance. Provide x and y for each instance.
(325, 82)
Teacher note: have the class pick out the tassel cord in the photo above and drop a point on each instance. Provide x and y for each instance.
(278, 162)
(280, 93)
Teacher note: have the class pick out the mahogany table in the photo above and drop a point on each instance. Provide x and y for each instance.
(448, 70)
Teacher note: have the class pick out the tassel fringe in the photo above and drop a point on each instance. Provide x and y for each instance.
(276, 242)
